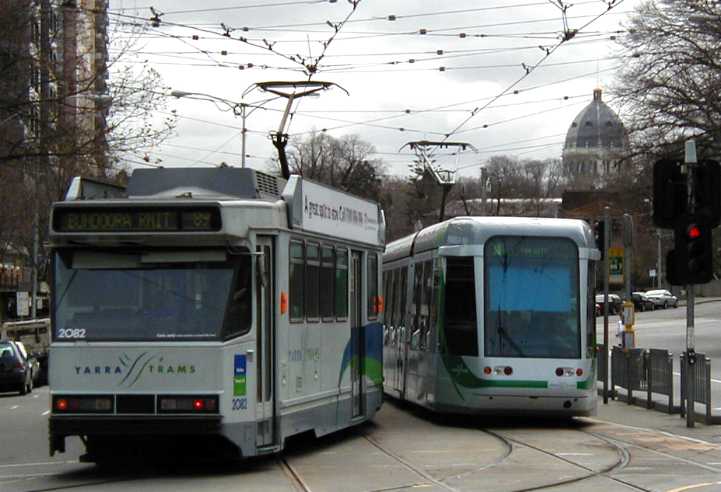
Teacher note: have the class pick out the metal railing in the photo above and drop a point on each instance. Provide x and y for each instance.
(659, 374)
(651, 371)
(628, 370)
(701, 385)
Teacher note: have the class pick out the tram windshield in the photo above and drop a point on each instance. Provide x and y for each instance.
(151, 295)
(532, 298)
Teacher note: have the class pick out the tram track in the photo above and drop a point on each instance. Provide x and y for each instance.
(622, 461)
(295, 479)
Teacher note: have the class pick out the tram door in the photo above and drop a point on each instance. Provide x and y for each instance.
(265, 410)
(357, 341)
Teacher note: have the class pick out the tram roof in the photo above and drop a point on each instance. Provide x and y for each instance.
(158, 203)
(477, 230)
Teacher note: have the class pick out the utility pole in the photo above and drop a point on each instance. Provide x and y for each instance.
(659, 262)
(606, 272)
(690, 164)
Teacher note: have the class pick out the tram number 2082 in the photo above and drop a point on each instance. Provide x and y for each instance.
(240, 404)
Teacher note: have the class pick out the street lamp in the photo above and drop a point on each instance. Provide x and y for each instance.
(238, 108)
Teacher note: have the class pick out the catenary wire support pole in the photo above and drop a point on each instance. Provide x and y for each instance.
(291, 90)
(606, 243)
(238, 108)
(445, 178)
(690, 165)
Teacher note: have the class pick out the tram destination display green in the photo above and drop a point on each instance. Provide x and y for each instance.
(141, 219)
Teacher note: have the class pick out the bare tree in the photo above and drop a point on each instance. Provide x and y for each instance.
(344, 163)
(670, 85)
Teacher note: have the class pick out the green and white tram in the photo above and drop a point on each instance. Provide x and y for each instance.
(492, 315)
(216, 309)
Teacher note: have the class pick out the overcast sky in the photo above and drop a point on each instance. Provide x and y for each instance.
(456, 70)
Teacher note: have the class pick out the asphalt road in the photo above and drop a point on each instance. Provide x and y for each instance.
(666, 329)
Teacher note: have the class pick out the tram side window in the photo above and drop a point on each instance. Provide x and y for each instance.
(296, 281)
(425, 304)
(400, 316)
(460, 307)
(373, 300)
(433, 321)
(312, 280)
(416, 307)
(327, 273)
(341, 284)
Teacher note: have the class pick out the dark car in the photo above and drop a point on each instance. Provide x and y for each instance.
(16, 373)
(641, 302)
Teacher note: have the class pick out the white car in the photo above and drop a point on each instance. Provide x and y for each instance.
(662, 298)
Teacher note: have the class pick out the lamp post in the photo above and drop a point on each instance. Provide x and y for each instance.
(238, 108)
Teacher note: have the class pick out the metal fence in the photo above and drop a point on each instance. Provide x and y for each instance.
(659, 375)
(628, 370)
(701, 384)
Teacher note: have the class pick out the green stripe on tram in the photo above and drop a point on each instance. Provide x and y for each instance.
(584, 385)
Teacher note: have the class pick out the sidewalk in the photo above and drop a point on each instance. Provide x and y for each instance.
(621, 413)
(699, 300)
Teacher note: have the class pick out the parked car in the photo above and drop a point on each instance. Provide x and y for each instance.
(615, 303)
(641, 302)
(16, 368)
(662, 298)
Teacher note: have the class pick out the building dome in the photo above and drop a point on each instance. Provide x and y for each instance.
(596, 126)
(595, 143)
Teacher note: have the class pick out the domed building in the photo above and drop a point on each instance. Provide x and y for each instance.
(595, 144)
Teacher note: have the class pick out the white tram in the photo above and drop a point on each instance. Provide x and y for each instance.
(219, 304)
(492, 315)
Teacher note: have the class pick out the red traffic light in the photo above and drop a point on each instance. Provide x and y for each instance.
(694, 232)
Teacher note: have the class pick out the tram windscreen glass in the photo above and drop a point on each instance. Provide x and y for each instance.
(531, 298)
(151, 296)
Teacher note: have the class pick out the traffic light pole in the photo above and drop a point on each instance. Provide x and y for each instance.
(606, 242)
(690, 164)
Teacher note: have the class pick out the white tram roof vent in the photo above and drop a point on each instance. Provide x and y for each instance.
(220, 183)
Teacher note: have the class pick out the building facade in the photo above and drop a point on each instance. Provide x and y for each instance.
(596, 143)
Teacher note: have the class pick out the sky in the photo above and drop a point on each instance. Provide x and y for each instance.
(496, 74)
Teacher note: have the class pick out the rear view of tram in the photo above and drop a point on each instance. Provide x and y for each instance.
(212, 311)
(493, 315)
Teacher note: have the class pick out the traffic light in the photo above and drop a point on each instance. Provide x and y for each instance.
(691, 261)
(707, 184)
(670, 197)
(599, 233)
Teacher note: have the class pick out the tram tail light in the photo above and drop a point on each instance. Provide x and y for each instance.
(83, 404)
(567, 371)
(503, 370)
(487, 371)
(188, 404)
(579, 372)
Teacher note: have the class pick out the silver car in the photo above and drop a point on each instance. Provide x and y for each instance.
(662, 298)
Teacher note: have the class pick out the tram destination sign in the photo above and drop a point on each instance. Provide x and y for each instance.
(140, 219)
